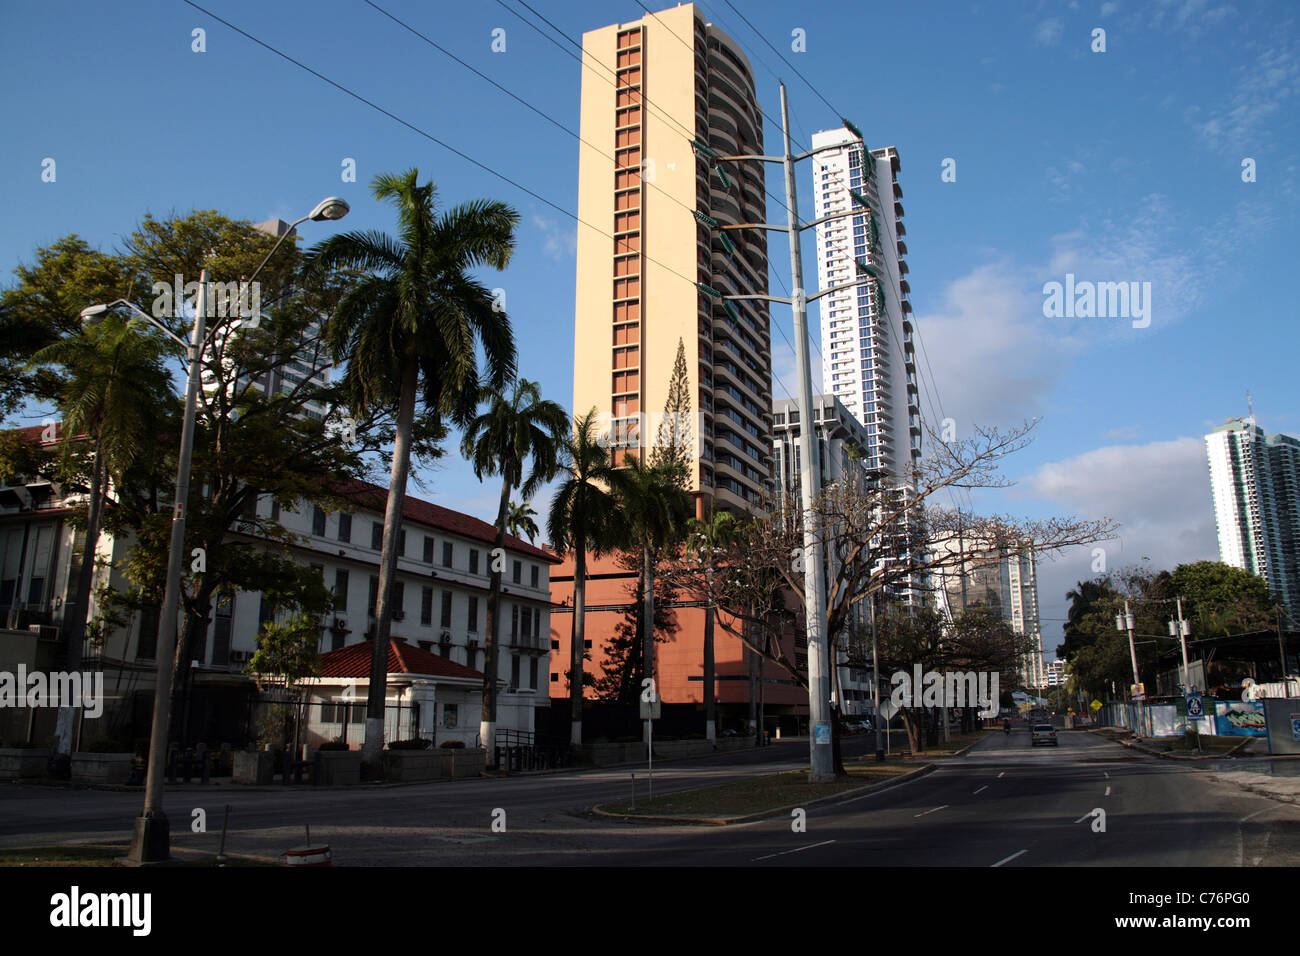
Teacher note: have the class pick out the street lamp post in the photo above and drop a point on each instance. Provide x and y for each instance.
(151, 838)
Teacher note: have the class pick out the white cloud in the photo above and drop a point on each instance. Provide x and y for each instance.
(1108, 8)
(1049, 32)
(1062, 179)
(557, 242)
(992, 353)
(1150, 246)
(1159, 493)
(1261, 91)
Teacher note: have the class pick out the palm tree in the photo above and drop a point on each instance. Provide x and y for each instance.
(114, 394)
(656, 508)
(520, 520)
(501, 441)
(407, 328)
(584, 517)
(705, 540)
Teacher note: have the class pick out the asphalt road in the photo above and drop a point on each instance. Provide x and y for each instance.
(1004, 804)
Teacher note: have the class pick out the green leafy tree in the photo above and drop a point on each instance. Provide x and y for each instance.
(1220, 600)
(707, 542)
(584, 518)
(408, 326)
(44, 305)
(675, 436)
(516, 429)
(113, 396)
(656, 509)
(1084, 598)
(287, 653)
(259, 436)
(521, 521)
(623, 667)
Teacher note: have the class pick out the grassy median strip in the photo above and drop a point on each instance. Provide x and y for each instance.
(63, 856)
(112, 856)
(753, 795)
(1209, 744)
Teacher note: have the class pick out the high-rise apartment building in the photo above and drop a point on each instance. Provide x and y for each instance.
(868, 361)
(1255, 484)
(662, 98)
(311, 364)
(1005, 582)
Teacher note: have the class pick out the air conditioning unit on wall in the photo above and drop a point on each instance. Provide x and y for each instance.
(240, 657)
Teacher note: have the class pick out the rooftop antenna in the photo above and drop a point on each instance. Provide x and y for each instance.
(1250, 404)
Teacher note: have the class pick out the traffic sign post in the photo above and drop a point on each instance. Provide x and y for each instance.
(651, 707)
(1195, 707)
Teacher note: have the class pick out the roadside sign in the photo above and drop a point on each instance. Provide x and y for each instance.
(822, 734)
(651, 709)
(1195, 705)
(1295, 726)
(887, 709)
(1095, 705)
(1138, 691)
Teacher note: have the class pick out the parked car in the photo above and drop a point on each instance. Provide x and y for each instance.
(1043, 734)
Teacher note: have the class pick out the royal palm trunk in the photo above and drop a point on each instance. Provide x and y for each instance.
(372, 749)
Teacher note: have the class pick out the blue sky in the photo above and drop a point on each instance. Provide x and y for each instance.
(1123, 165)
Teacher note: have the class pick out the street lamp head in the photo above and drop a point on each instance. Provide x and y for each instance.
(329, 209)
(90, 311)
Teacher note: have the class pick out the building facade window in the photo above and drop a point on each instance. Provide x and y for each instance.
(426, 606)
(340, 589)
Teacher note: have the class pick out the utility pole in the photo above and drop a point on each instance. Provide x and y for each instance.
(1182, 627)
(1123, 622)
(821, 765)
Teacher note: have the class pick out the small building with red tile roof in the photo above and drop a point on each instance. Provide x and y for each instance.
(429, 696)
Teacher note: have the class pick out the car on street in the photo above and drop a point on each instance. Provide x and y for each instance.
(1043, 734)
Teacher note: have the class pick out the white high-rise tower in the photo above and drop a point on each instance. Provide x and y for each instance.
(1255, 483)
(868, 362)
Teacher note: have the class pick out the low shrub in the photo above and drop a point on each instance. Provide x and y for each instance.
(334, 745)
(453, 745)
(417, 743)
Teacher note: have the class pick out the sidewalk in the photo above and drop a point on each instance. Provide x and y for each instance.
(225, 784)
(1282, 789)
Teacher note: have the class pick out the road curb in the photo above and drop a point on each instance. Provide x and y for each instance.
(1259, 791)
(764, 814)
(1133, 745)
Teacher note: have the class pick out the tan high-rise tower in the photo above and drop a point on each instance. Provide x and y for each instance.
(663, 96)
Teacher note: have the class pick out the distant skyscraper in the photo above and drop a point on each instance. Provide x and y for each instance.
(841, 442)
(866, 332)
(654, 91)
(311, 364)
(1255, 484)
(1006, 583)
